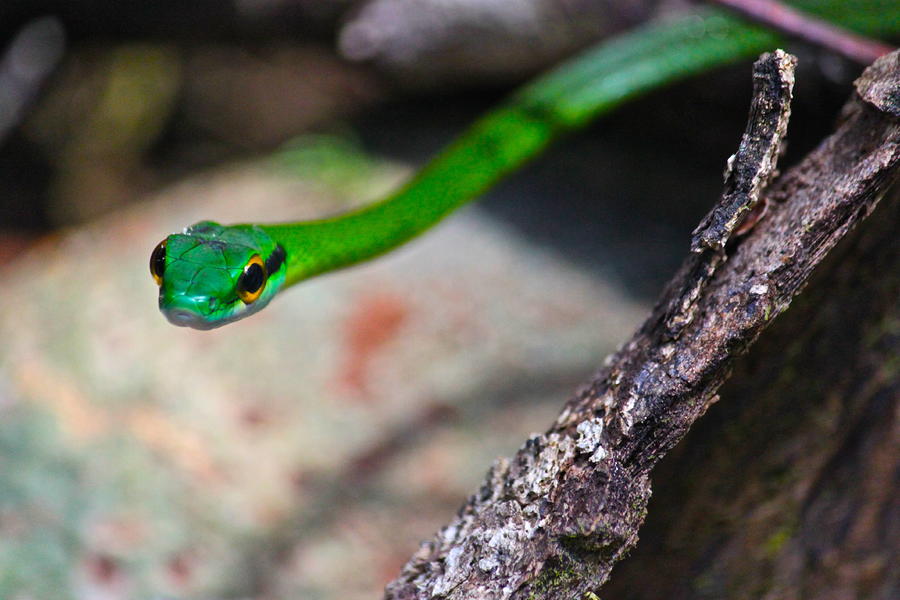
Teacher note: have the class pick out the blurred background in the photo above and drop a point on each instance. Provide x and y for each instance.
(303, 453)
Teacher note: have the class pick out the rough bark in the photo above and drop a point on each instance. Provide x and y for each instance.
(552, 521)
(788, 488)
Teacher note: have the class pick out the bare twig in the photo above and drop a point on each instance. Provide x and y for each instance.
(552, 521)
(747, 173)
(808, 28)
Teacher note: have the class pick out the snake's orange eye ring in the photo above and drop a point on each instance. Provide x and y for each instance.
(158, 262)
(252, 281)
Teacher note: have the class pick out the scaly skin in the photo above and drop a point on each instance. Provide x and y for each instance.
(203, 266)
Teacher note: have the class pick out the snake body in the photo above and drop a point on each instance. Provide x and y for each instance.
(211, 274)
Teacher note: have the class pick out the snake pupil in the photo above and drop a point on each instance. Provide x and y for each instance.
(252, 280)
(158, 262)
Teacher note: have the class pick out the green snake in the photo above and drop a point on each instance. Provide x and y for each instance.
(211, 274)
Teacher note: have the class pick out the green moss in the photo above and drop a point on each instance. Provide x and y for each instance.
(704, 584)
(553, 578)
(891, 368)
(639, 508)
(777, 540)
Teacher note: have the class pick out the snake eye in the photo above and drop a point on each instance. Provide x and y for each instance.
(158, 262)
(252, 281)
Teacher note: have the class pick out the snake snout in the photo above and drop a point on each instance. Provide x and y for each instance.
(185, 318)
(180, 317)
(185, 311)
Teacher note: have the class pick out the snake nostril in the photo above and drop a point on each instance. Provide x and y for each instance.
(186, 317)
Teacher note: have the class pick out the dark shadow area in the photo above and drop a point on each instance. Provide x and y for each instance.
(621, 197)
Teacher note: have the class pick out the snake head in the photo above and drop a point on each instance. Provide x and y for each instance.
(211, 275)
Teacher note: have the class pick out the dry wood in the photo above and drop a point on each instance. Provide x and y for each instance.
(552, 521)
(787, 489)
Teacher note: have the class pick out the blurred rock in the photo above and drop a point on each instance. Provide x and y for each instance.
(429, 42)
(260, 460)
(256, 99)
(25, 64)
(177, 20)
(101, 122)
(98, 119)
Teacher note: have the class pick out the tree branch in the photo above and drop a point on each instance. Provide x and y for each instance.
(791, 21)
(552, 521)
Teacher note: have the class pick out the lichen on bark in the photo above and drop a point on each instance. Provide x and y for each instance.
(552, 521)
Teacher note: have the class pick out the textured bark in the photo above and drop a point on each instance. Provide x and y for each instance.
(788, 488)
(551, 522)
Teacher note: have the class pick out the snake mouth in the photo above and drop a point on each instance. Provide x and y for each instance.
(186, 318)
(185, 311)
